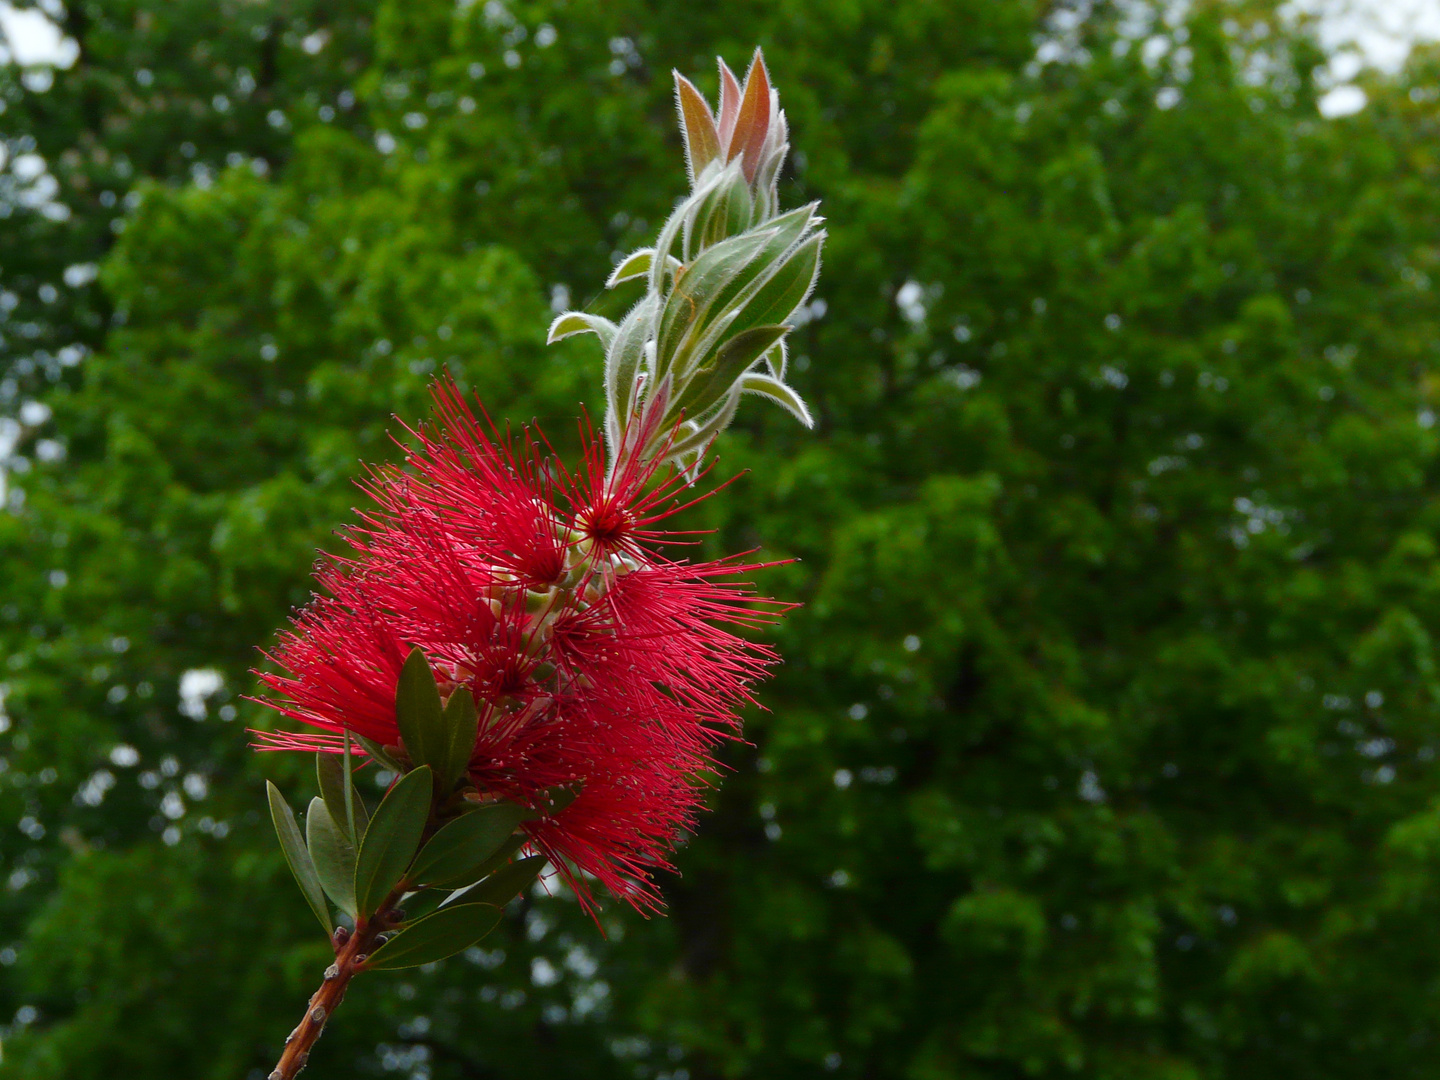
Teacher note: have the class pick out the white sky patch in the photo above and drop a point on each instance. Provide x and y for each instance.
(1366, 33)
(197, 686)
(31, 39)
(1381, 31)
(1342, 101)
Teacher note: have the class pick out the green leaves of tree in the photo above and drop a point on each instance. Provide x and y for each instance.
(296, 854)
(506, 883)
(461, 725)
(441, 737)
(333, 853)
(436, 936)
(458, 926)
(459, 853)
(391, 838)
(418, 712)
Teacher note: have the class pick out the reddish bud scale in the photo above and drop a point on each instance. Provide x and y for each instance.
(592, 656)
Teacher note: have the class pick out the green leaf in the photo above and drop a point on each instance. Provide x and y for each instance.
(458, 851)
(634, 265)
(378, 753)
(728, 215)
(688, 307)
(461, 725)
(779, 393)
(626, 353)
(445, 933)
(578, 322)
(422, 902)
(499, 859)
(333, 855)
(418, 713)
(786, 289)
(697, 125)
(781, 236)
(713, 383)
(293, 844)
(392, 838)
(330, 771)
(506, 883)
(356, 816)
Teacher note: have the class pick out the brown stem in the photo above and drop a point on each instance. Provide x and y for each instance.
(351, 951)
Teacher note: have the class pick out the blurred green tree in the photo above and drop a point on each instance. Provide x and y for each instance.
(1105, 746)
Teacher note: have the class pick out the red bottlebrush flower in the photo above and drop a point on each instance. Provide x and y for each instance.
(593, 657)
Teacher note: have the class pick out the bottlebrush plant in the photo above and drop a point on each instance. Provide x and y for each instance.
(511, 638)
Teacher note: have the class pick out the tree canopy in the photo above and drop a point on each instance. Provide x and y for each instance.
(1105, 745)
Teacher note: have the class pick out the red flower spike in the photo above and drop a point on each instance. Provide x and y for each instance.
(593, 658)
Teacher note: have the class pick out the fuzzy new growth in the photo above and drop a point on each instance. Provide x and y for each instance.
(723, 284)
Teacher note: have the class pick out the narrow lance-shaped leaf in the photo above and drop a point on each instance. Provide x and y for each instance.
(697, 124)
(422, 902)
(579, 322)
(495, 862)
(690, 301)
(356, 816)
(293, 844)
(392, 838)
(737, 354)
(504, 884)
(783, 235)
(461, 725)
(670, 231)
(730, 308)
(700, 209)
(778, 392)
(729, 214)
(333, 854)
(456, 853)
(418, 712)
(622, 362)
(445, 933)
(378, 753)
(729, 103)
(785, 290)
(753, 120)
(634, 265)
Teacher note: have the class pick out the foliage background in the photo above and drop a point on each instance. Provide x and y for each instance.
(1106, 744)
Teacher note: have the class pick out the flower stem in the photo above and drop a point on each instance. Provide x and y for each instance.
(351, 951)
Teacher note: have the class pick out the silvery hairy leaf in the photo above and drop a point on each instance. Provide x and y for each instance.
(727, 211)
(692, 296)
(713, 382)
(697, 125)
(579, 322)
(626, 354)
(637, 265)
(765, 292)
(671, 231)
(778, 392)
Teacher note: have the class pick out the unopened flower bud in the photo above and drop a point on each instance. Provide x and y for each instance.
(537, 601)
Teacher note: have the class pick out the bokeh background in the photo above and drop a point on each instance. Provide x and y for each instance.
(1106, 742)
